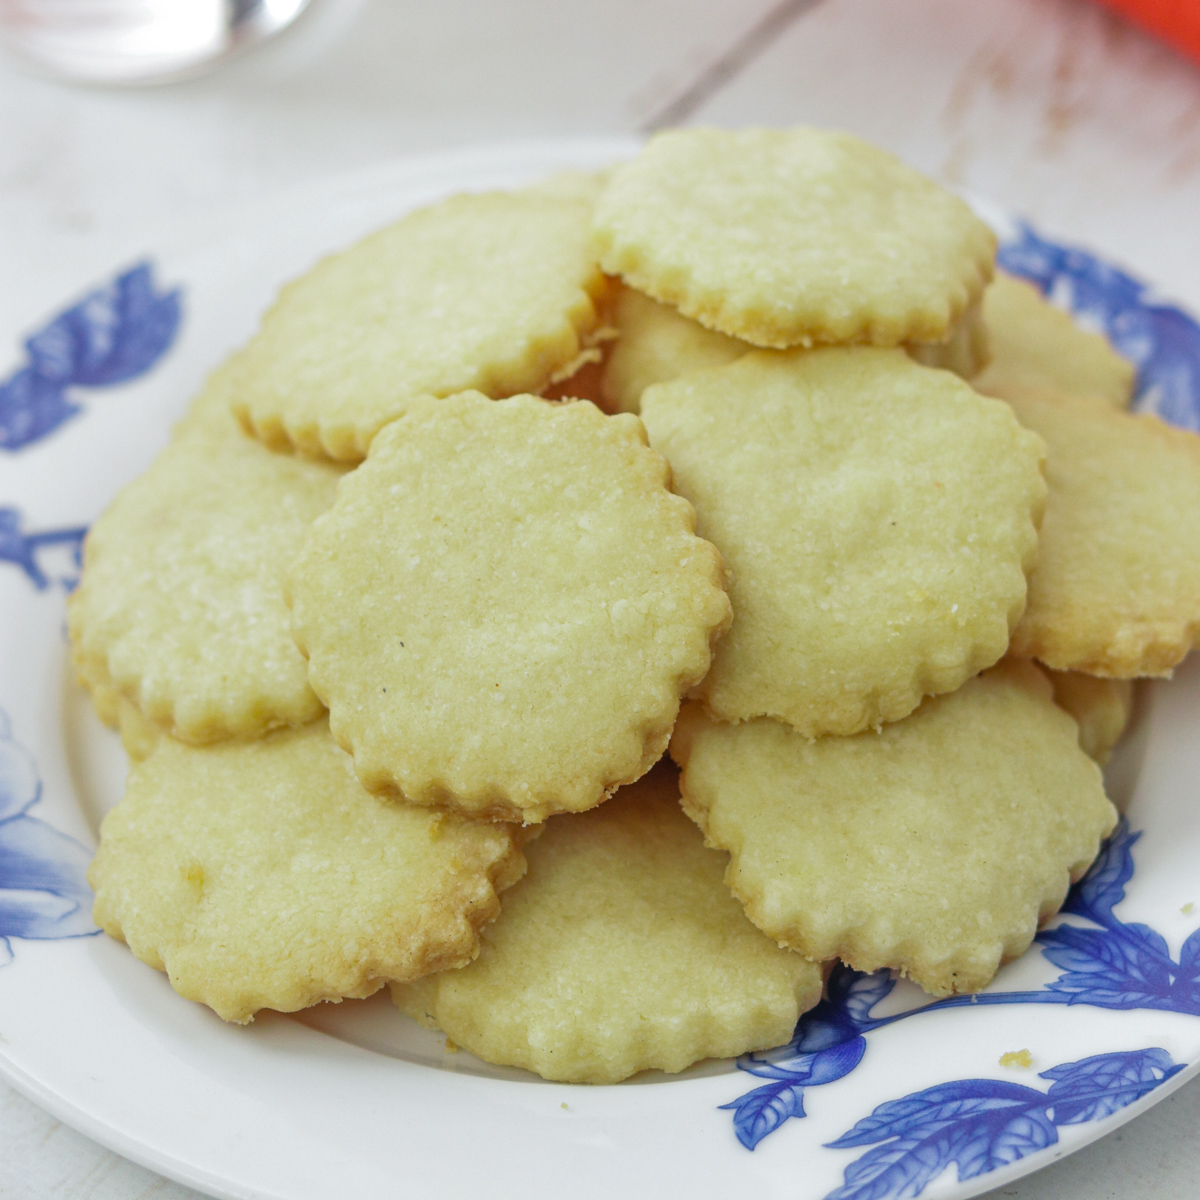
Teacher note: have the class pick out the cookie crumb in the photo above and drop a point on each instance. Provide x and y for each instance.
(1187, 909)
(1017, 1058)
(564, 1107)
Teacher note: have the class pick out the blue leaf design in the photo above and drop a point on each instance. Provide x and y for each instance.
(810, 1068)
(1103, 887)
(20, 786)
(946, 1103)
(112, 335)
(763, 1110)
(1189, 962)
(977, 1124)
(1107, 970)
(43, 882)
(22, 549)
(31, 408)
(839, 1048)
(1097, 1087)
(982, 1124)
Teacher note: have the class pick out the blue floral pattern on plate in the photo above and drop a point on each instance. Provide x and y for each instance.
(113, 335)
(982, 1124)
(43, 884)
(24, 550)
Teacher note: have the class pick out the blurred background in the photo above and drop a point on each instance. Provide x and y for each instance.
(1062, 110)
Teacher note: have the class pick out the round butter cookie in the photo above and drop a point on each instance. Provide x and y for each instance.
(656, 344)
(935, 846)
(262, 875)
(877, 518)
(1116, 590)
(180, 607)
(505, 605)
(1035, 344)
(621, 951)
(496, 292)
(1101, 708)
(792, 237)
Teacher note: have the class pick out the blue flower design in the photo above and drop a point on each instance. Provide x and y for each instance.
(43, 885)
(112, 335)
(1114, 965)
(1161, 340)
(828, 1044)
(1117, 965)
(22, 549)
(981, 1124)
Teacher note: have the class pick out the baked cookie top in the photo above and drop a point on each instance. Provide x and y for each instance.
(262, 875)
(622, 950)
(1035, 344)
(935, 846)
(877, 518)
(505, 605)
(180, 607)
(792, 237)
(496, 292)
(1116, 590)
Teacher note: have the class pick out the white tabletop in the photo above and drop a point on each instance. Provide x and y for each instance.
(1051, 107)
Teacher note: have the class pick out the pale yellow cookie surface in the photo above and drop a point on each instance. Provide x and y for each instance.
(495, 292)
(505, 605)
(262, 875)
(656, 344)
(877, 518)
(1034, 343)
(934, 847)
(622, 950)
(180, 608)
(1116, 590)
(790, 237)
(1101, 708)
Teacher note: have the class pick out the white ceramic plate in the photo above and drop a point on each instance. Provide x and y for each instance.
(353, 1098)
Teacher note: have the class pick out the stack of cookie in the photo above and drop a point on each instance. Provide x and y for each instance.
(512, 496)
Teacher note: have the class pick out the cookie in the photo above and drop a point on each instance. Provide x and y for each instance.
(620, 951)
(792, 237)
(966, 351)
(1101, 708)
(504, 606)
(656, 344)
(1035, 344)
(180, 607)
(935, 846)
(138, 736)
(877, 519)
(1116, 591)
(495, 292)
(571, 184)
(261, 875)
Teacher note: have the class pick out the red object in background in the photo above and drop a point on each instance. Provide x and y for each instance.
(1176, 20)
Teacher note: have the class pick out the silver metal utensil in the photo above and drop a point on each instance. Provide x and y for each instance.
(137, 41)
